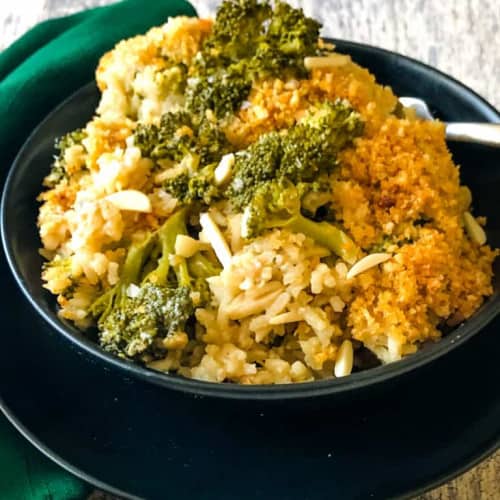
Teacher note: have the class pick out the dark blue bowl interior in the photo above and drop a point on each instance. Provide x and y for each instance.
(448, 99)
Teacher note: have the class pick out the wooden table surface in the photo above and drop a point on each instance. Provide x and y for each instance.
(460, 37)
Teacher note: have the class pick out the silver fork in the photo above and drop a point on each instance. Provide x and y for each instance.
(483, 133)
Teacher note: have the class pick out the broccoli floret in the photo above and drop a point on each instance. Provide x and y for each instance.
(57, 273)
(153, 299)
(200, 268)
(195, 148)
(250, 40)
(211, 143)
(58, 169)
(143, 320)
(284, 175)
(202, 186)
(222, 93)
(276, 204)
(71, 139)
(197, 186)
(292, 32)
(310, 147)
(289, 38)
(172, 80)
(239, 26)
(259, 163)
(202, 292)
(178, 187)
(305, 154)
(172, 139)
(268, 41)
(316, 195)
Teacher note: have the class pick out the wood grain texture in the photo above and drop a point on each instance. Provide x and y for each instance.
(460, 37)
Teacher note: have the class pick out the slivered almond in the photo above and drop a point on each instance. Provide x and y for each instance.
(244, 229)
(278, 305)
(287, 317)
(259, 291)
(322, 62)
(130, 199)
(366, 263)
(345, 359)
(216, 239)
(185, 246)
(474, 230)
(223, 171)
(243, 306)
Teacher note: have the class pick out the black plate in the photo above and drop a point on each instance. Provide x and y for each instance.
(155, 443)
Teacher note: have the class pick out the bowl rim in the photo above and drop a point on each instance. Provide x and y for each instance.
(327, 387)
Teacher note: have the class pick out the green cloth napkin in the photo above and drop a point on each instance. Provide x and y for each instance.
(28, 475)
(37, 72)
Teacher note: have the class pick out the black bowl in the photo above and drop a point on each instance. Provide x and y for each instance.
(448, 99)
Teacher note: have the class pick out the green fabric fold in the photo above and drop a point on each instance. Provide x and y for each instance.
(28, 475)
(37, 72)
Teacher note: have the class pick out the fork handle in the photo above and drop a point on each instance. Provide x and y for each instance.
(483, 133)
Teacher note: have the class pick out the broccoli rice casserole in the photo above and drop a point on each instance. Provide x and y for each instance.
(248, 205)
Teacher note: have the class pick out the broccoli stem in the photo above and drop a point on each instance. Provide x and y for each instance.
(182, 274)
(136, 256)
(326, 235)
(167, 234)
(202, 267)
(134, 261)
